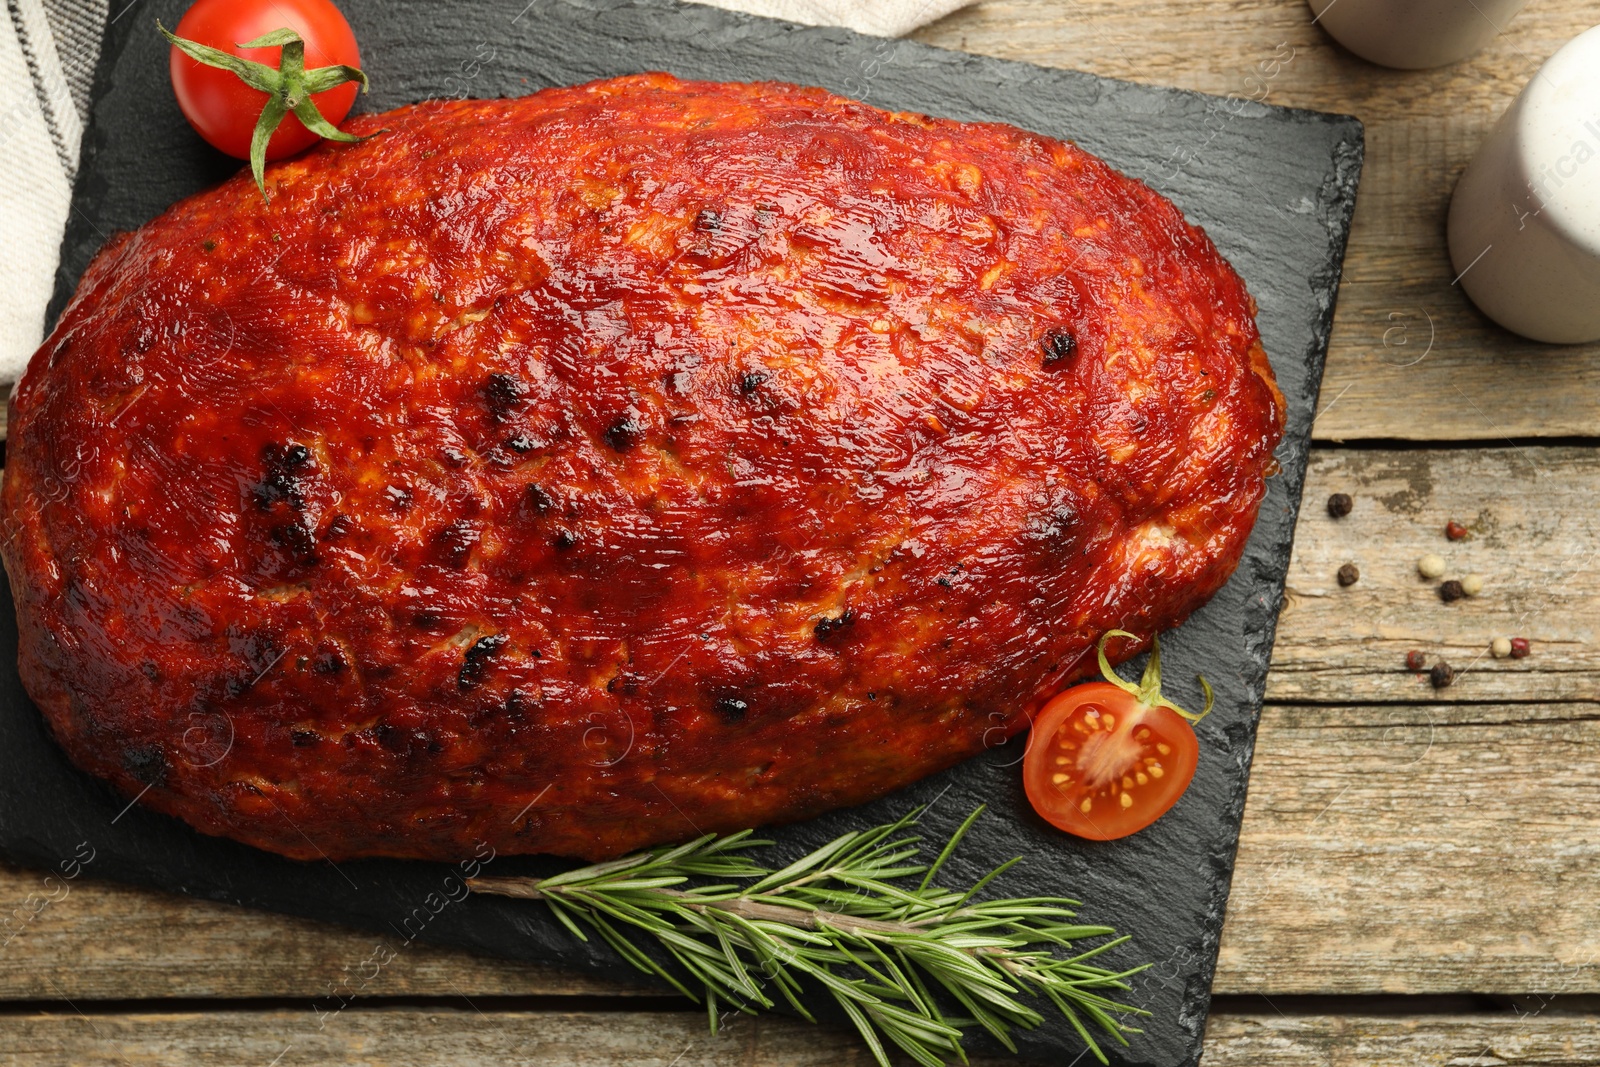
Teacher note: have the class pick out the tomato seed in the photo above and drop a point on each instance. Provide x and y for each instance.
(1084, 807)
(1156, 771)
(1111, 724)
(1060, 779)
(1127, 800)
(1165, 750)
(1141, 776)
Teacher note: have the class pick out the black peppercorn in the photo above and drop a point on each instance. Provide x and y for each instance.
(1059, 346)
(1451, 591)
(1340, 504)
(624, 433)
(1442, 675)
(732, 709)
(1349, 574)
(475, 664)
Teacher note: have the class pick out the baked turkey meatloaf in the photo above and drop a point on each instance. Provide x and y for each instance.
(622, 462)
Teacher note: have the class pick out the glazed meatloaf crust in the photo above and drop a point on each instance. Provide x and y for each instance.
(593, 469)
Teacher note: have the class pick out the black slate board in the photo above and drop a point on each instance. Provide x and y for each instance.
(1274, 188)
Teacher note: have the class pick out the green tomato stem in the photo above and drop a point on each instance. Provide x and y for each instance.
(1148, 691)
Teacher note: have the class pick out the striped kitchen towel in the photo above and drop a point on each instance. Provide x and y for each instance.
(46, 68)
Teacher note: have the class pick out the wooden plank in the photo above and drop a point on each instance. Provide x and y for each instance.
(1406, 849)
(1533, 537)
(107, 941)
(413, 1037)
(1410, 357)
(1535, 1039)
(1409, 849)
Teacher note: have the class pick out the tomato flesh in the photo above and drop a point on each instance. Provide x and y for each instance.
(223, 109)
(1101, 765)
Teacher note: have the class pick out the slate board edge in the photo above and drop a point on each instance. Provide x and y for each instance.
(1337, 209)
(1334, 209)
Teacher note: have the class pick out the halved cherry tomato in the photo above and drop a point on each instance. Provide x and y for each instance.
(223, 109)
(1106, 759)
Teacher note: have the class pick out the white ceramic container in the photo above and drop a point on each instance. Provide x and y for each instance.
(1524, 225)
(1414, 33)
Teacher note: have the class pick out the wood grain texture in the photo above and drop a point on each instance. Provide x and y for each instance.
(1415, 849)
(108, 941)
(422, 1037)
(1545, 1039)
(1386, 849)
(1410, 357)
(1534, 538)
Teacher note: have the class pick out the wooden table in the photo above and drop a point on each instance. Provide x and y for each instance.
(1419, 878)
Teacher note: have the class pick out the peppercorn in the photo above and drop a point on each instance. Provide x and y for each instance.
(1500, 647)
(1431, 566)
(1349, 574)
(1415, 660)
(1451, 591)
(1454, 530)
(1442, 675)
(1520, 647)
(1339, 505)
(1472, 584)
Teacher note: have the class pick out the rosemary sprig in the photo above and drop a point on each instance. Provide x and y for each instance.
(858, 917)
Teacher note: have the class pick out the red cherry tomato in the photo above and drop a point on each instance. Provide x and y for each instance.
(1102, 765)
(1106, 759)
(223, 109)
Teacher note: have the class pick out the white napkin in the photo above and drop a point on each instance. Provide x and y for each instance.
(882, 18)
(46, 68)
